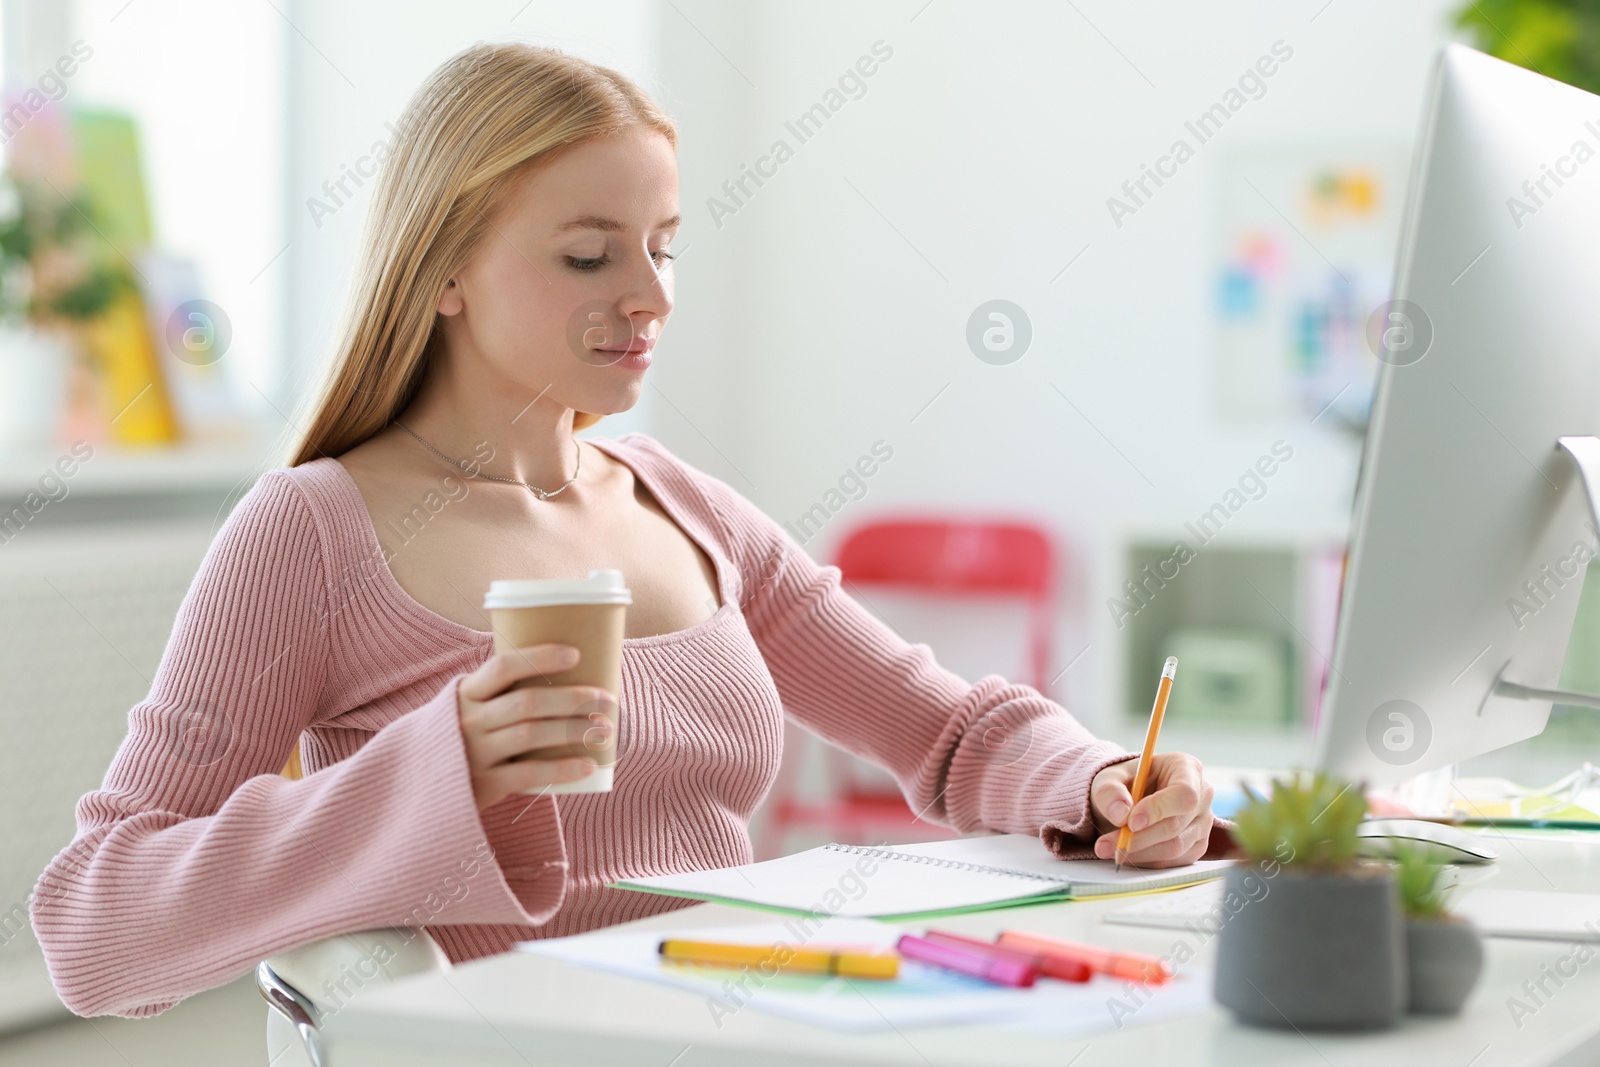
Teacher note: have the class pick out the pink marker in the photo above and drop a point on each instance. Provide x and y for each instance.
(1002, 968)
(1048, 966)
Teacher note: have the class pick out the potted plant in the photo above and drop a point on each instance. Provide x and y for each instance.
(56, 275)
(1558, 38)
(1316, 942)
(1444, 952)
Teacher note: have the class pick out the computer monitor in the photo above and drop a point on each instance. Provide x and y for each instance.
(1472, 527)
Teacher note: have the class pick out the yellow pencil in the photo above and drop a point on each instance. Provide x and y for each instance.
(1141, 776)
(783, 957)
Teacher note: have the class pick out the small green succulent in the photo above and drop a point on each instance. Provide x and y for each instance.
(1419, 873)
(1308, 822)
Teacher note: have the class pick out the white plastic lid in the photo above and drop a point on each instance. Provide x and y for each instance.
(600, 587)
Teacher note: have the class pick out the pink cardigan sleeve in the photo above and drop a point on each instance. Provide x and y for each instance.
(991, 755)
(195, 858)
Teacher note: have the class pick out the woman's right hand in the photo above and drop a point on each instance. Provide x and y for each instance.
(503, 727)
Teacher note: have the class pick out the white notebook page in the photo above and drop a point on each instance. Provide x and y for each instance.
(895, 880)
(1023, 852)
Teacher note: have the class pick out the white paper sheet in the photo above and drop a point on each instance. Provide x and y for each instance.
(1532, 913)
(921, 996)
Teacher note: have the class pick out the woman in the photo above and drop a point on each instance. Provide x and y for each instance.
(515, 277)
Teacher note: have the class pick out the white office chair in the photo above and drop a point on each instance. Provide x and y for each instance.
(306, 985)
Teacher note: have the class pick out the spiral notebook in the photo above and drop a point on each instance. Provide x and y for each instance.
(912, 881)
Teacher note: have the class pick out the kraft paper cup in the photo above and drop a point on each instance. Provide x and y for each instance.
(587, 613)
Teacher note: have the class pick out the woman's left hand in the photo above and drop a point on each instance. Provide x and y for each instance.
(1171, 825)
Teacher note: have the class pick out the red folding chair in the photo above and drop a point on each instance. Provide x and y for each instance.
(955, 557)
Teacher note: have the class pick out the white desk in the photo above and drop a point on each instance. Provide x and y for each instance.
(519, 1009)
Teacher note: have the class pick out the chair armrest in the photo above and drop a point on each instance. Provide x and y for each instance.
(329, 972)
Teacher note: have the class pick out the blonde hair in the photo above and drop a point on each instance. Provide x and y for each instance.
(468, 133)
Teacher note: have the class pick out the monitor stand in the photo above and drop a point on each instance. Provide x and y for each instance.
(1585, 452)
(1428, 795)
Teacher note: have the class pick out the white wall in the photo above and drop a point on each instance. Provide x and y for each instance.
(990, 142)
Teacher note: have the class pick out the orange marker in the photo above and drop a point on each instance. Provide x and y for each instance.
(1141, 776)
(1134, 966)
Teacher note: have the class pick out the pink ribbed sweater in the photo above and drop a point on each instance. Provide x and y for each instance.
(195, 858)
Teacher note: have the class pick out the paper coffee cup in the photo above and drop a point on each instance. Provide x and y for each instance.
(587, 613)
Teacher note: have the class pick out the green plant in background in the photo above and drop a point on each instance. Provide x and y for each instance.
(54, 267)
(1557, 38)
(1308, 821)
(1418, 871)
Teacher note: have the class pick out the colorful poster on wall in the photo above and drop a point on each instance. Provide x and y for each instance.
(1304, 252)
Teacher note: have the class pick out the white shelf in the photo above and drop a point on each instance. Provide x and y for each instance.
(1248, 533)
(192, 467)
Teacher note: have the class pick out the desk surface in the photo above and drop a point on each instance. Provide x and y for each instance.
(520, 1009)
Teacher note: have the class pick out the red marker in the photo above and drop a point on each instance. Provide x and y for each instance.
(1002, 969)
(1051, 966)
(1134, 966)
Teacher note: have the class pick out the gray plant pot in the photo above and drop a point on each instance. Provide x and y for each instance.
(1445, 959)
(1312, 951)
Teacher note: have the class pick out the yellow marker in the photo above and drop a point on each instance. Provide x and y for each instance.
(773, 958)
(1169, 670)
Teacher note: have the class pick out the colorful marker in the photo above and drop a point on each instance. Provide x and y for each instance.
(1134, 966)
(1059, 966)
(1001, 968)
(783, 957)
